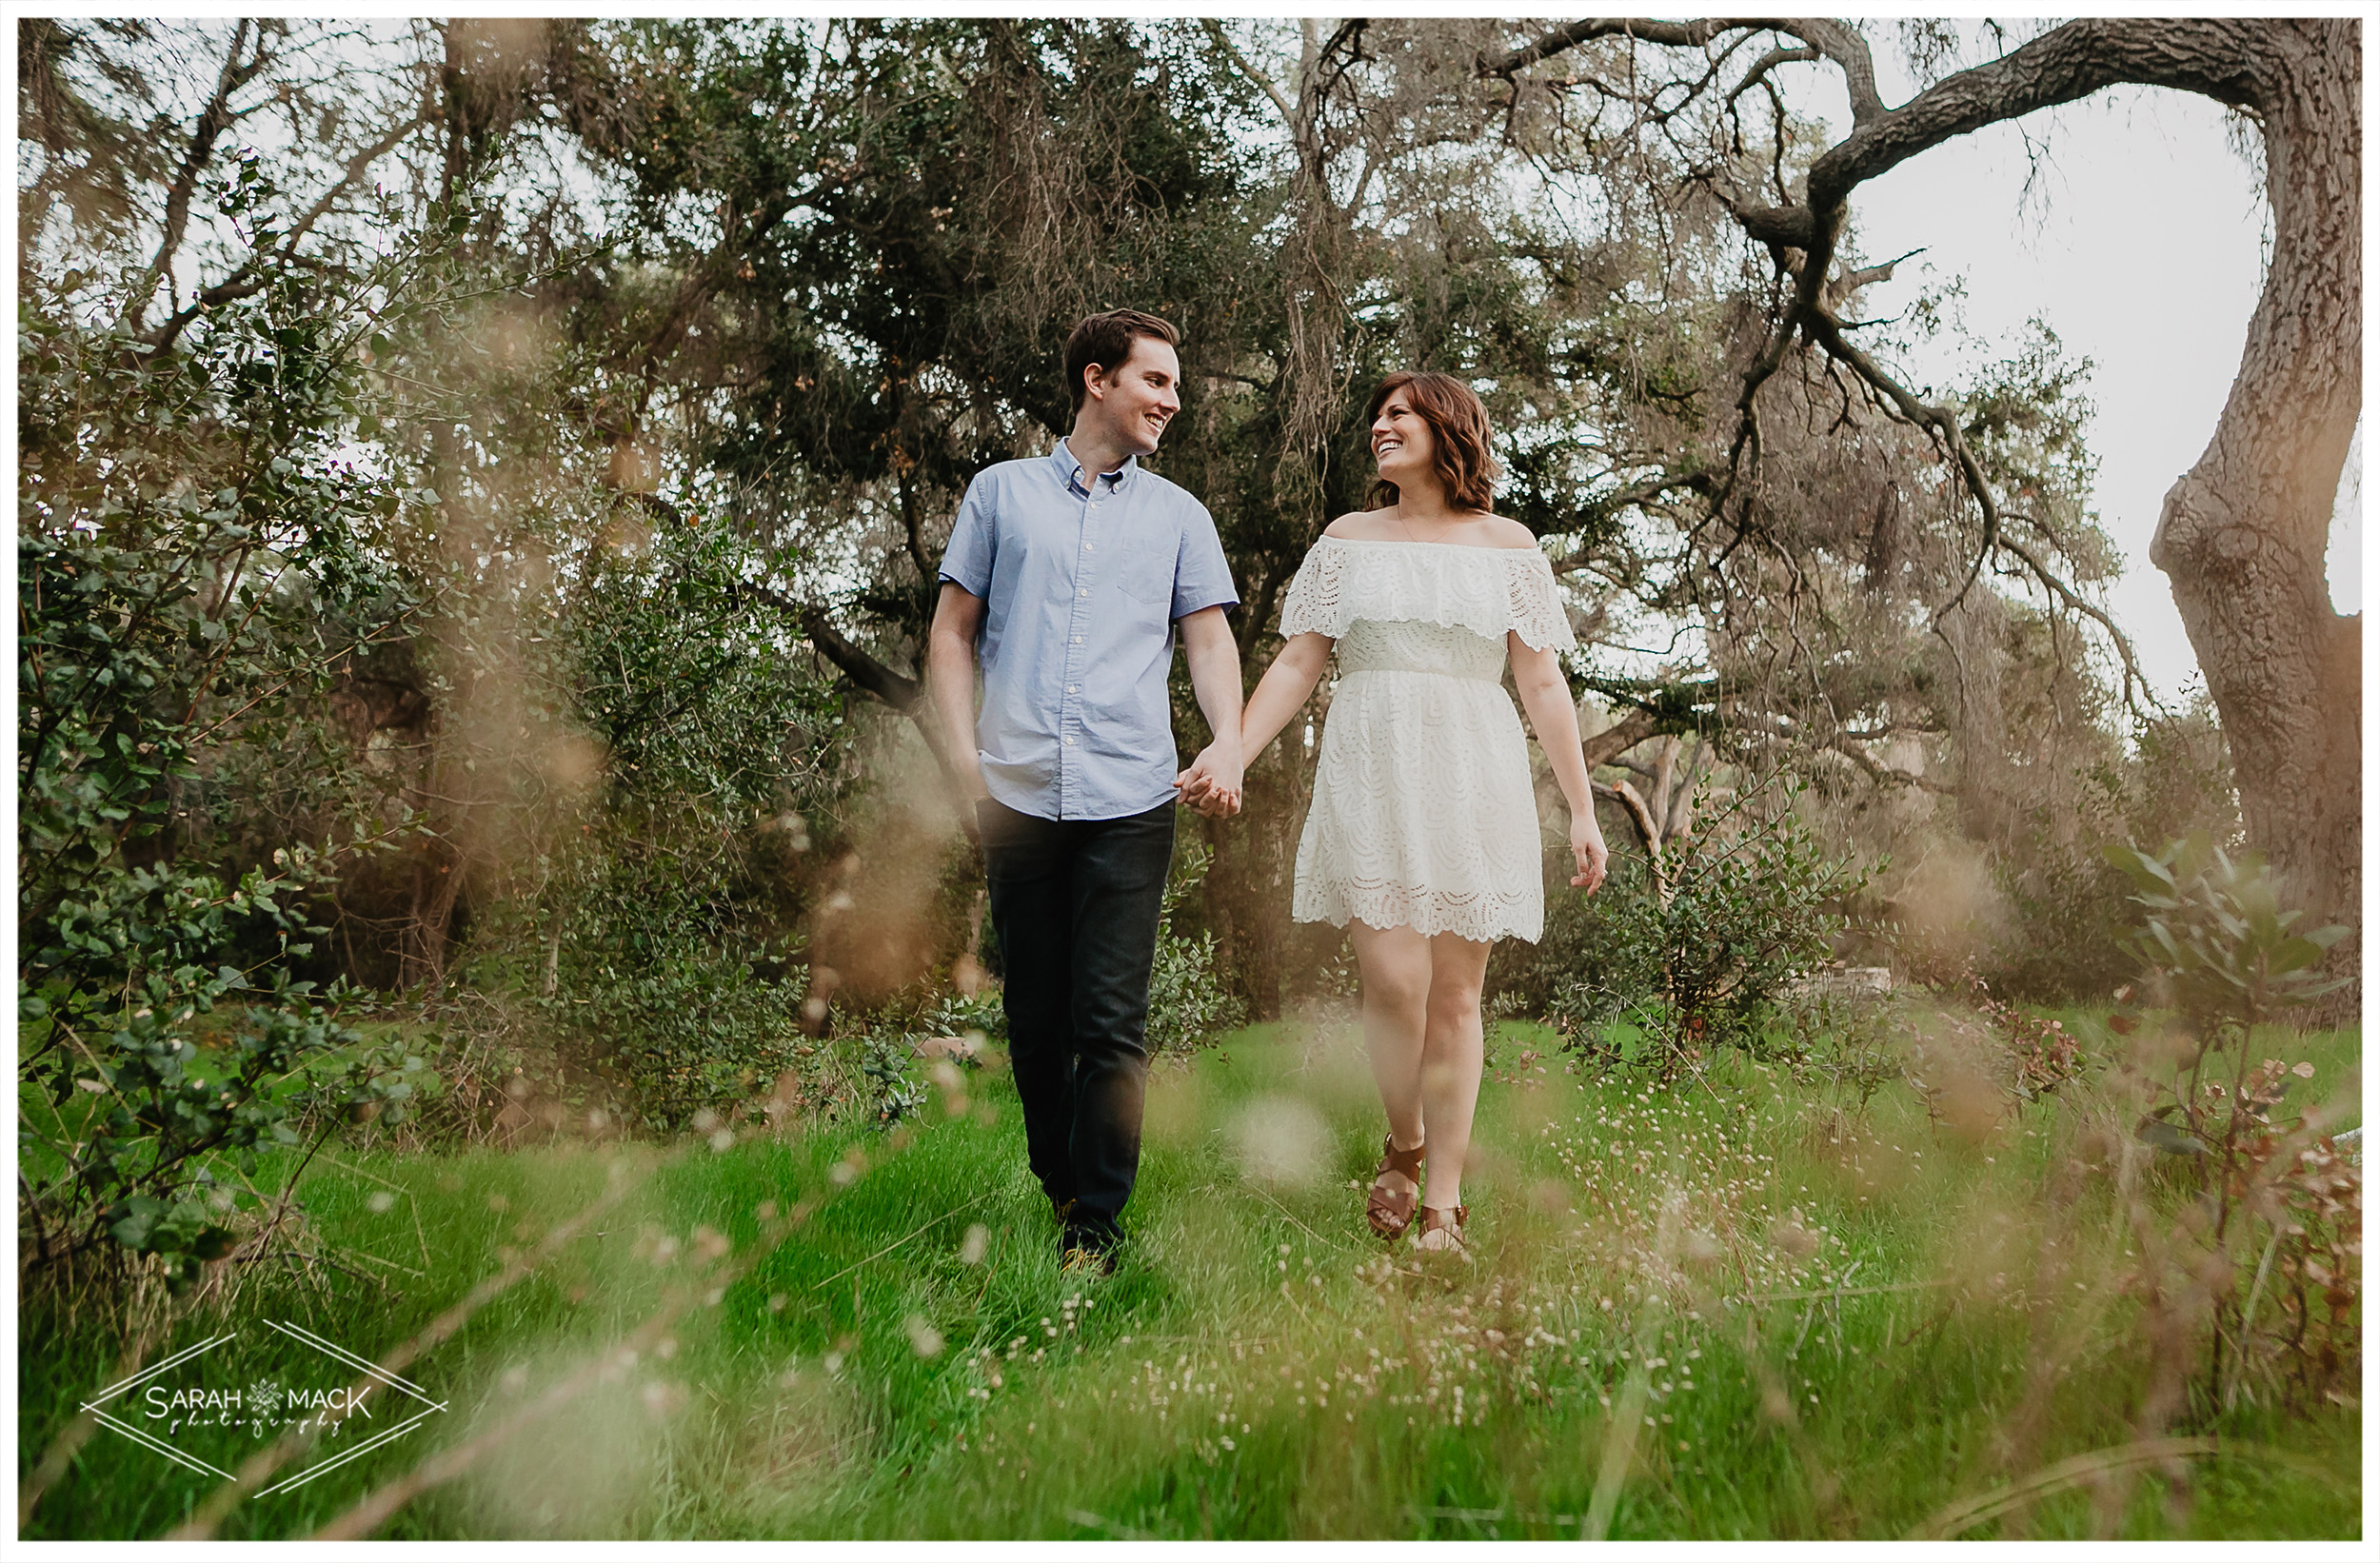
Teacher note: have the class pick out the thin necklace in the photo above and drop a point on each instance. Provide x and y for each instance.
(1399, 519)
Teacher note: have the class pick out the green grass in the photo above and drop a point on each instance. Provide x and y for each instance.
(1943, 1318)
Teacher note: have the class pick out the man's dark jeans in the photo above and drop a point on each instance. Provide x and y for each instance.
(1076, 905)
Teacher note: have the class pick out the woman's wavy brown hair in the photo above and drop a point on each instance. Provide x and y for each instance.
(1458, 426)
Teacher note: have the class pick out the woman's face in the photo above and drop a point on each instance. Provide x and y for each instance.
(1402, 444)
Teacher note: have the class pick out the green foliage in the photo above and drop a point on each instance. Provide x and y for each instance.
(981, 1013)
(2215, 938)
(2214, 943)
(884, 1062)
(1189, 1003)
(191, 551)
(1699, 956)
(1857, 1044)
(2070, 905)
(893, 1040)
(678, 1025)
(667, 888)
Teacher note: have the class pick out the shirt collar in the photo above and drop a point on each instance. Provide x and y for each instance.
(1070, 470)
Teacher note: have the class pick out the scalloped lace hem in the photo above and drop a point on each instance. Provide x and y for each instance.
(1483, 916)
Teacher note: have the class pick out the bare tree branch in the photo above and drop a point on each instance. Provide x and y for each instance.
(1843, 45)
(1848, 283)
(897, 690)
(212, 121)
(1571, 34)
(1827, 332)
(1239, 63)
(1761, 67)
(1648, 831)
(242, 281)
(2055, 584)
(1883, 774)
(2069, 63)
(1619, 737)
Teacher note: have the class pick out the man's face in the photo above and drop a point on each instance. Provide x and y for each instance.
(1137, 400)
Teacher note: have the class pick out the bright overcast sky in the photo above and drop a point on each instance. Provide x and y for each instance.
(2140, 246)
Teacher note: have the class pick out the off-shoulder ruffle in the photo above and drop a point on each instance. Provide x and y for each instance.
(1489, 591)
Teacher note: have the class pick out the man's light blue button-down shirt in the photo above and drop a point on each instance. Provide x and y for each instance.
(1081, 579)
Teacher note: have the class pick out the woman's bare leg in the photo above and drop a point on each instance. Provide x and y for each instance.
(1396, 963)
(1453, 1048)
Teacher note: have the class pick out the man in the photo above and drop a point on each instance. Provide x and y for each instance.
(1065, 578)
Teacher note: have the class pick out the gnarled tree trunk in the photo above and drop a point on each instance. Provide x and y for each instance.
(2244, 532)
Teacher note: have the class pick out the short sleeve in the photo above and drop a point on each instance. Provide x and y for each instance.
(967, 562)
(1201, 574)
(1311, 604)
(1536, 606)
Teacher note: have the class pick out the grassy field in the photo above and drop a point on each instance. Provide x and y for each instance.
(1732, 1309)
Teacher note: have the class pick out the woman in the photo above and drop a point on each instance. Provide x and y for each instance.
(1422, 838)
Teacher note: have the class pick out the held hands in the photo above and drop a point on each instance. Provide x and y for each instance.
(1212, 785)
(1586, 846)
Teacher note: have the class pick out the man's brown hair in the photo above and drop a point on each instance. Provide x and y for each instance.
(1458, 426)
(1106, 341)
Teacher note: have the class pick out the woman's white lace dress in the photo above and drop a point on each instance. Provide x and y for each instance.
(1424, 815)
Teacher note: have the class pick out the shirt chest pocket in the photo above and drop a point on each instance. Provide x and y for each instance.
(1146, 576)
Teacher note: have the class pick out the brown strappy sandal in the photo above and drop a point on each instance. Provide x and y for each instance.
(1389, 1212)
(1435, 1220)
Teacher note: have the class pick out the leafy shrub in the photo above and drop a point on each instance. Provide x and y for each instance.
(649, 911)
(959, 1013)
(2314, 1261)
(1699, 954)
(1189, 1005)
(684, 1028)
(890, 1041)
(2214, 943)
(191, 541)
(2039, 1055)
(1853, 1044)
(884, 1062)
(2070, 904)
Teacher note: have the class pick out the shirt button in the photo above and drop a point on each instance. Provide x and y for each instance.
(1083, 591)
(1090, 547)
(1070, 739)
(1071, 688)
(1078, 640)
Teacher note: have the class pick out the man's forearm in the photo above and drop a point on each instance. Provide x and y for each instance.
(951, 676)
(1215, 680)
